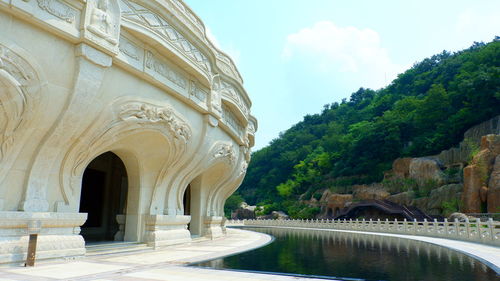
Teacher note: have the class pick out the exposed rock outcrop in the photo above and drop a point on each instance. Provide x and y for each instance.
(472, 137)
(401, 167)
(275, 215)
(476, 176)
(332, 203)
(493, 195)
(243, 212)
(424, 170)
(447, 193)
(366, 192)
(403, 198)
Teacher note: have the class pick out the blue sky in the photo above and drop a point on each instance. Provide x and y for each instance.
(295, 56)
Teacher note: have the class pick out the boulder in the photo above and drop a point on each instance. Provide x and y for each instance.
(244, 212)
(333, 203)
(491, 143)
(459, 216)
(424, 170)
(275, 215)
(402, 198)
(493, 196)
(438, 196)
(279, 215)
(366, 192)
(401, 167)
(421, 203)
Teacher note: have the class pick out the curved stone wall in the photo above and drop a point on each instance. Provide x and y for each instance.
(134, 77)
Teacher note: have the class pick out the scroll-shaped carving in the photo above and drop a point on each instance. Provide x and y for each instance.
(15, 103)
(251, 128)
(155, 114)
(243, 168)
(225, 151)
(103, 21)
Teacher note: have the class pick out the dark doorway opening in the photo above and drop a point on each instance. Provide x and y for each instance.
(103, 197)
(186, 201)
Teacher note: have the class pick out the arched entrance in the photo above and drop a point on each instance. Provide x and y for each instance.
(103, 197)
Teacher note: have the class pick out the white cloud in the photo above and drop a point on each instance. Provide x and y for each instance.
(332, 49)
(230, 50)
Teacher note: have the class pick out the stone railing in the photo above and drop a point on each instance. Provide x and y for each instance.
(475, 231)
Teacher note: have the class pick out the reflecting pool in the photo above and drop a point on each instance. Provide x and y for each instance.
(352, 255)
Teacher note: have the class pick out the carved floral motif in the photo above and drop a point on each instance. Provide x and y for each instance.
(155, 114)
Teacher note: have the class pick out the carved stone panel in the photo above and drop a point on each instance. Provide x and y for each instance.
(159, 25)
(102, 23)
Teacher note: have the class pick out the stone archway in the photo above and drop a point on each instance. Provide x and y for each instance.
(103, 198)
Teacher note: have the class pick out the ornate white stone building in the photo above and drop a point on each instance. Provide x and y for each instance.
(119, 120)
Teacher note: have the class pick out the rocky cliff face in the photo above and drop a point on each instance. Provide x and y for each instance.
(481, 175)
(472, 137)
(437, 184)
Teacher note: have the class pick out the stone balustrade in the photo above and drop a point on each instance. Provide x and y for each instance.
(487, 232)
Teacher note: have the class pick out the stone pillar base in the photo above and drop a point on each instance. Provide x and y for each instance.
(58, 235)
(120, 234)
(213, 227)
(164, 230)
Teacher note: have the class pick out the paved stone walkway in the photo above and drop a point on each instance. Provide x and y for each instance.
(169, 263)
(165, 264)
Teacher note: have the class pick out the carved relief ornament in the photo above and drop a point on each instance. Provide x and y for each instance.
(225, 151)
(155, 114)
(103, 21)
(157, 23)
(17, 103)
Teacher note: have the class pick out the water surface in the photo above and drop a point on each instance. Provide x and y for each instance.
(352, 255)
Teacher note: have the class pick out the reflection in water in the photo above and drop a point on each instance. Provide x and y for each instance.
(353, 255)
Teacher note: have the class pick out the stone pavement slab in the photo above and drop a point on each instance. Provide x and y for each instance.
(167, 263)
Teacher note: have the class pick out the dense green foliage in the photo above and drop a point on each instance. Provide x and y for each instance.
(425, 110)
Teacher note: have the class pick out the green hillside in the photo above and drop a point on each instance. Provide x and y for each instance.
(425, 110)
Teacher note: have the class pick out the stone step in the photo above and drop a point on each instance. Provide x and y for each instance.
(115, 248)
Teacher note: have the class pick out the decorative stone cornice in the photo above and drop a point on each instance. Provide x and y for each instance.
(160, 25)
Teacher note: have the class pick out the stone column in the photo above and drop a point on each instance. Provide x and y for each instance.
(164, 230)
(213, 227)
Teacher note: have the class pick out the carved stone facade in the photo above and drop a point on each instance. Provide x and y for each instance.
(126, 96)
